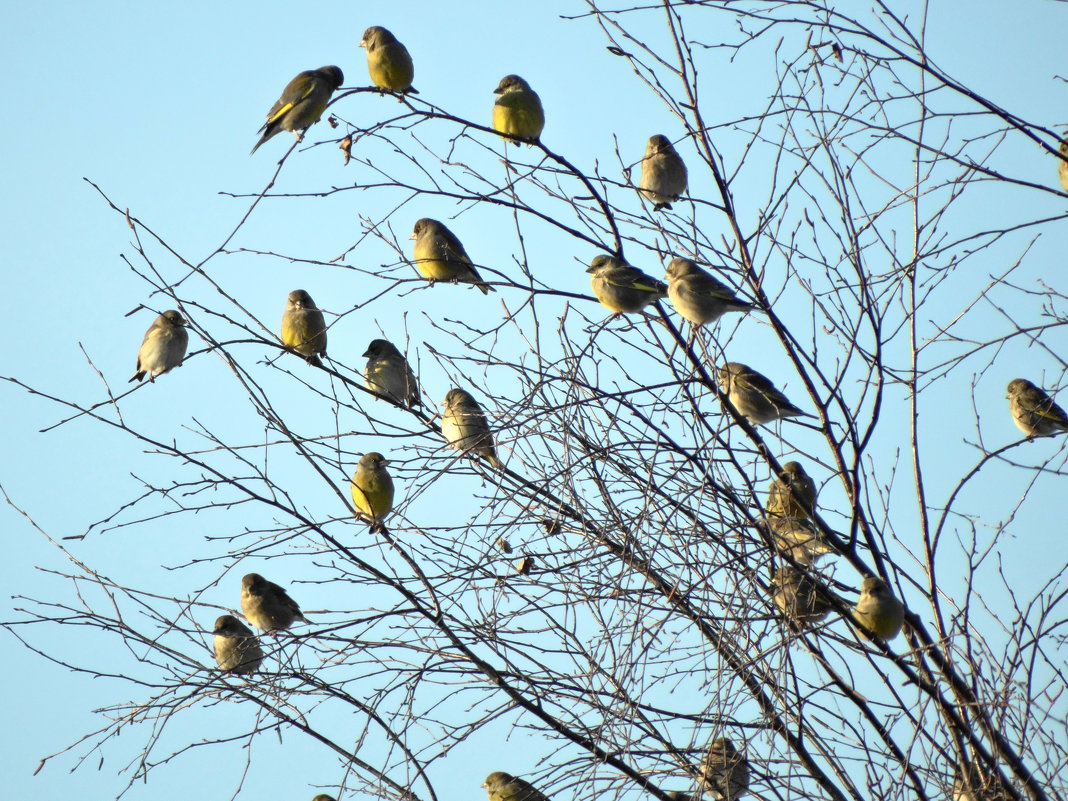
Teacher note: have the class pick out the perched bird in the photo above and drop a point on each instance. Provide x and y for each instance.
(793, 495)
(303, 327)
(266, 605)
(877, 610)
(1033, 411)
(1062, 165)
(794, 593)
(237, 649)
(725, 771)
(440, 256)
(388, 373)
(798, 538)
(501, 786)
(754, 396)
(324, 797)
(163, 347)
(697, 296)
(464, 427)
(622, 288)
(388, 61)
(517, 113)
(975, 784)
(663, 178)
(302, 103)
(372, 490)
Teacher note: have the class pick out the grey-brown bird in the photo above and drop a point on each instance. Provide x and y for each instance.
(621, 288)
(302, 103)
(237, 649)
(303, 327)
(878, 610)
(517, 113)
(697, 296)
(796, 595)
(753, 394)
(266, 605)
(725, 771)
(464, 426)
(663, 178)
(163, 347)
(388, 373)
(792, 495)
(1033, 411)
(388, 61)
(501, 786)
(439, 256)
(798, 538)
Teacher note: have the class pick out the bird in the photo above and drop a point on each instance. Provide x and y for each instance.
(302, 103)
(725, 771)
(621, 288)
(388, 61)
(324, 797)
(266, 605)
(1033, 411)
(464, 427)
(798, 538)
(517, 113)
(877, 610)
(795, 594)
(236, 648)
(679, 795)
(663, 178)
(163, 347)
(697, 296)
(372, 490)
(1062, 165)
(303, 327)
(754, 396)
(439, 256)
(389, 375)
(501, 786)
(793, 494)
(975, 784)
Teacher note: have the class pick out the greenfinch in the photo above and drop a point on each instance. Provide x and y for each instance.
(517, 113)
(302, 103)
(1062, 165)
(795, 594)
(388, 374)
(163, 347)
(877, 610)
(324, 797)
(237, 649)
(697, 296)
(974, 784)
(792, 495)
(372, 490)
(725, 771)
(464, 426)
(388, 61)
(266, 605)
(439, 256)
(622, 288)
(501, 786)
(303, 327)
(754, 396)
(798, 538)
(663, 178)
(1033, 411)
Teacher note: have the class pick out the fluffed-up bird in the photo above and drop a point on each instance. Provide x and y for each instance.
(501, 786)
(621, 288)
(663, 178)
(388, 61)
(163, 347)
(1062, 165)
(237, 649)
(798, 538)
(266, 605)
(795, 594)
(303, 327)
(792, 495)
(517, 113)
(725, 771)
(697, 296)
(464, 426)
(754, 396)
(372, 490)
(302, 103)
(1033, 411)
(878, 610)
(387, 373)
(439, 256)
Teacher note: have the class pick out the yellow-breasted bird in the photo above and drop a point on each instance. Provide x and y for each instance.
(372, 490)
(387, 373)
(517, 113)
(621, 288)
(878, 610)
(725, 771)
(303, 327)
(793, 495)
(1033, 411)
(302, 103)
(439, 256)
(163, 347)
(1062, 165)
(388, 61)
(464, 426)
(795, 594)
(697, 296)
(501, 786)
(663, 178)
(798, 538)
(266, 605)
(754, 396)
(237, 649)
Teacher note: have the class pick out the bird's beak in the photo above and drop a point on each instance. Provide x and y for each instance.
(363, 43)
(591, 269)
(413, 236)
(367, 353)
(497, 91)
